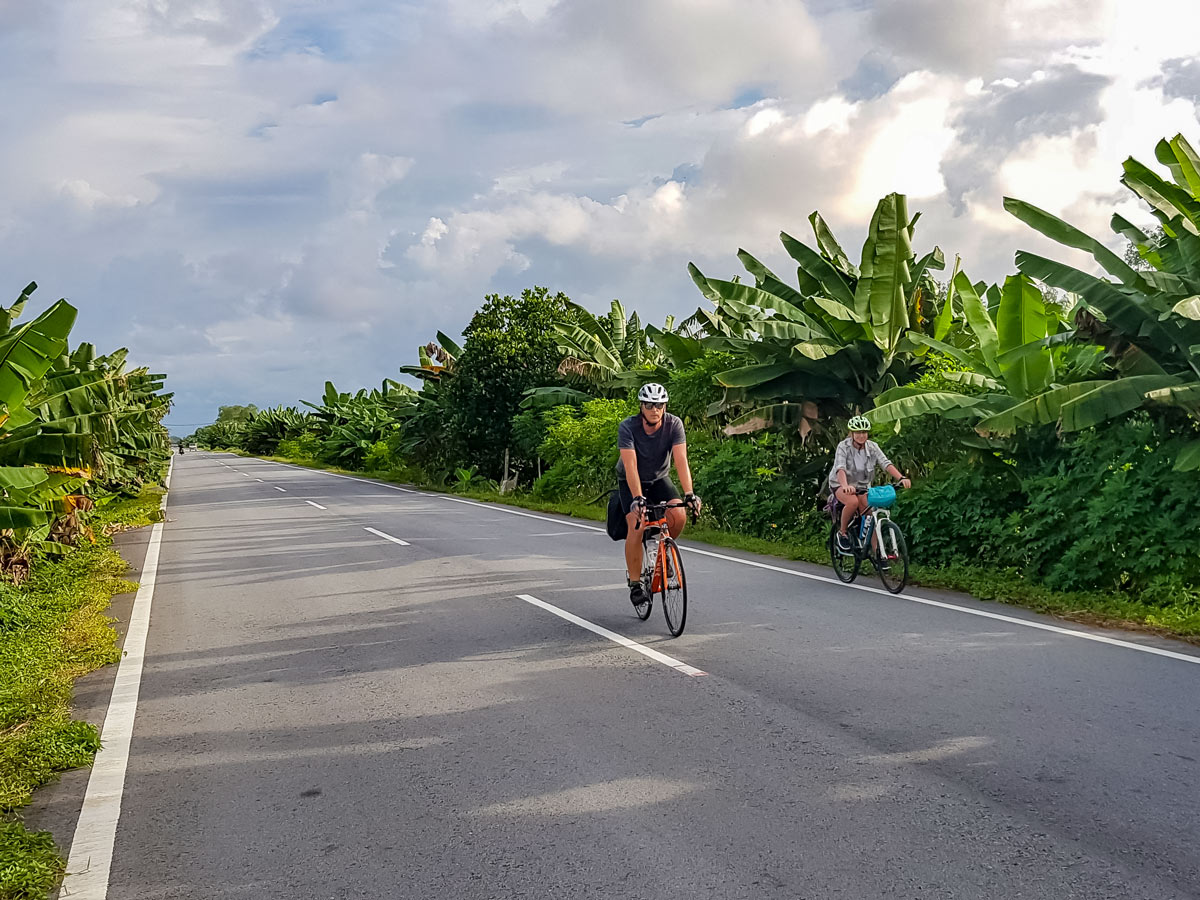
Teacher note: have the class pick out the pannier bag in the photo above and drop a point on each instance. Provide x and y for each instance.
(616, 526)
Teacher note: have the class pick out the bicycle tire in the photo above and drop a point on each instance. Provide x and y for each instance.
(673, 588)
(845, 567)
(892, 572)
(643, 609)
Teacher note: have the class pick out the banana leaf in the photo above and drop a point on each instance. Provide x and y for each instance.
(979, 321)
(1188, 457)
(29, 351)
(748, 296)
(833, 283)
(1042, 409)
(1021, 325)
(10, 315)
(1185, 395)
(830, 248)
(919, 403)
(972, 379)
(749, 376)
(945, 318)
(879, 295)
(1189, 308)
(1062, 232)
(765, 279)
(957, 353)
(1109, 400)
(1168, 201)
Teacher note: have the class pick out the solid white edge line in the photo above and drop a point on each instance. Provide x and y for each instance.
(616, 638)
(387, 537)
(90, 859)
(317, 505)
(825, 579)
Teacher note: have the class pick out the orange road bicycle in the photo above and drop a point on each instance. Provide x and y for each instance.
(662, 567)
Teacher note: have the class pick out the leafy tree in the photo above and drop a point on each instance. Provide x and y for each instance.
(509, 347)
(240, 415)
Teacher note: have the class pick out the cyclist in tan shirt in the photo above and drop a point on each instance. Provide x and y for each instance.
(854, 465)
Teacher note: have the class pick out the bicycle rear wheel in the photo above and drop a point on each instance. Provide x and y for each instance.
(845, 566)
(673, 588)
(892, 561)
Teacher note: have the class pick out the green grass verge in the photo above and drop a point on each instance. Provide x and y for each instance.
(53, 629)
(1179, 620)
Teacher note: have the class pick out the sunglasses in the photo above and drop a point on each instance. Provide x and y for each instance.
(655, 405)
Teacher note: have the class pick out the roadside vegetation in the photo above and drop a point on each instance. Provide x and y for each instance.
(82, 449)
(1050, 420)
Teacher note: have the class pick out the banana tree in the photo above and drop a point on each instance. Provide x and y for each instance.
(1023, 366)
(270, 426)
(350, 423)
(830, 345)
(611, 354)
(1148, 320)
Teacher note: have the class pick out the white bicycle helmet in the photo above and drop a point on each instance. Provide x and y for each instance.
(652, 393)
(859, 423)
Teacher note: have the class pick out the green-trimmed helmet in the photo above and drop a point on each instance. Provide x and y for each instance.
(859, 423)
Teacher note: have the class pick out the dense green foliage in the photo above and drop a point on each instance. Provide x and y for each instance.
(53, 628)
(581, 447)
(1102, 510)
(76, 430)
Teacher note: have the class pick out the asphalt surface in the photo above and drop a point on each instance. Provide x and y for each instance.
(328, 714)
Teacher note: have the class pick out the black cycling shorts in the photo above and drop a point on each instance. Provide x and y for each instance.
(655, 492)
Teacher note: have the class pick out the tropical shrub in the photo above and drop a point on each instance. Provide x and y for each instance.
(581, 447)
(263, 432)
(1102, 509)
(302, 449)
(758, 486)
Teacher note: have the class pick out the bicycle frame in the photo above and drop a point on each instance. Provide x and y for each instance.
(869, 530)
(655, 531)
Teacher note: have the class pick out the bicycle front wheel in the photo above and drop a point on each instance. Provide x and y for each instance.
(891, 561)
(672, 587)
(845, 565)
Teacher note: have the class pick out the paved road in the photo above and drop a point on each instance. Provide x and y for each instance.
(329, 714)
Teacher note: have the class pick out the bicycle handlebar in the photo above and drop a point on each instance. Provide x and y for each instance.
(896, 484)
(664, 506)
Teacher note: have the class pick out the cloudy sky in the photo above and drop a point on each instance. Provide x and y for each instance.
(257, 195)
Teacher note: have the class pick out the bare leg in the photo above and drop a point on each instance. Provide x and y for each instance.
(849, 501)
(633, 548)
(676, 520)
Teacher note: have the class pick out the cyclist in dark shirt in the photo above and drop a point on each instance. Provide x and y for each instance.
(647, 443)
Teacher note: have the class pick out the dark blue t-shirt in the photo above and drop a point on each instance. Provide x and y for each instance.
(653, 450)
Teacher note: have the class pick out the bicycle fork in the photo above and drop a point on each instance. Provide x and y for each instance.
(650, 566)
(888, 546)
